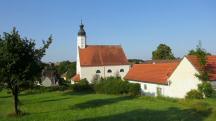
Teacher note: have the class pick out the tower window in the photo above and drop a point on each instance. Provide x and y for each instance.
(109, 71)
(98, 71)
(121, 70)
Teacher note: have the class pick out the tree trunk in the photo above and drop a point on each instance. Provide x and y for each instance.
(16, 100)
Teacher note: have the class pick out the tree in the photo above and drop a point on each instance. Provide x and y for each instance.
(205, 87)
(163, 52)
(20, 63)
(66, 67)
(199, 50)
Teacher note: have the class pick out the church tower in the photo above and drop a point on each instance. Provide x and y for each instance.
(81, 44)
(81, 38)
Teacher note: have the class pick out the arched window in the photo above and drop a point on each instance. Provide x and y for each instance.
(121, 70)
(98, 71)
(109, 71)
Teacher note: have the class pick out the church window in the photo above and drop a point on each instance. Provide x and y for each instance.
(121, 70)
(109, 71)
(98, 71)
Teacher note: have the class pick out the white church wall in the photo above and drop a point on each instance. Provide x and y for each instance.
(90, 72)
(213, 83)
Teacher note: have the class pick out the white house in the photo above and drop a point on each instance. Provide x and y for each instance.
(95, 61)
(171, 79)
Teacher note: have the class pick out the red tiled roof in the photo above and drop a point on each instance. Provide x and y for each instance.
(210, 66)
(100, 55)
(151, 73)
(76, 78)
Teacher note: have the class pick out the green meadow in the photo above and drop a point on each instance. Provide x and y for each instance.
(71, 106)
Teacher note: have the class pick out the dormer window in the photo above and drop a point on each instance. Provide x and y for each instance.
(109, 71)
(121, 70)
(98, 71)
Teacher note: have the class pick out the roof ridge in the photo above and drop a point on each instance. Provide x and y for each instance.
(173, 63)
(106, 45)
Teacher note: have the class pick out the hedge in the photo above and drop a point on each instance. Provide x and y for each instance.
(112, 85)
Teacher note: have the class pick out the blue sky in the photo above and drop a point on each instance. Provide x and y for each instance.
(138, 25)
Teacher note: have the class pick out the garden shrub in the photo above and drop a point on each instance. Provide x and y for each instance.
(82, 85)
(201, 108)
(194, 94)
(134, 89)
(206, 89)
(63, 82)
(115, 85)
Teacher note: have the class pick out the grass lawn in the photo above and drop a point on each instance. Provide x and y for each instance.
(69, 106)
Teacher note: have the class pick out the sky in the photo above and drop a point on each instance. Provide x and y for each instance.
(139, 26)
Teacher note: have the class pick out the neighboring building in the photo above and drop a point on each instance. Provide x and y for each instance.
(49, 77)
(171, 79)
(96, 61)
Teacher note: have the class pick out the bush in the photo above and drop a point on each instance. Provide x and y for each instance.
(134, 89)
(112, 85)
(206, 89)
(201, 107)
(82, 85)
(62, 82)
(194, 94)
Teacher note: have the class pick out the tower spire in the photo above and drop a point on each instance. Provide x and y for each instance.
(81, 31)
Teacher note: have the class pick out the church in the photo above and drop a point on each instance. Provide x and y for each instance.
(98, 61)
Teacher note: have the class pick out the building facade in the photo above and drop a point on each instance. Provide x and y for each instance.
(98, 61)
(171, 79)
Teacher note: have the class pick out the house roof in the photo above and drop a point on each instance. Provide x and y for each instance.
(101, 55)
(76, 78)
(210, 66)
(151, 73)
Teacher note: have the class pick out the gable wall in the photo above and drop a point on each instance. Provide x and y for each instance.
(183, 79)
(46, 82)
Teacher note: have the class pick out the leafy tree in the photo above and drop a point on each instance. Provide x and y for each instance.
(66, 67)
(205, 87)
(199, 51)
(20, 63)
(163, 52)
(71, 70)
(63, 67)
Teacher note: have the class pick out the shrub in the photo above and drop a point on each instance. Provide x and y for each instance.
(112, 85)
(206, 89)
(82, 85)
(62, 82)
(201, 107)
(194, 94)
(134, 89)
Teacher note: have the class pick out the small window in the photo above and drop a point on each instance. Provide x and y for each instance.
(98, 71)
(121, 70)
(159, 91)
(145, 87)
(109, 71)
